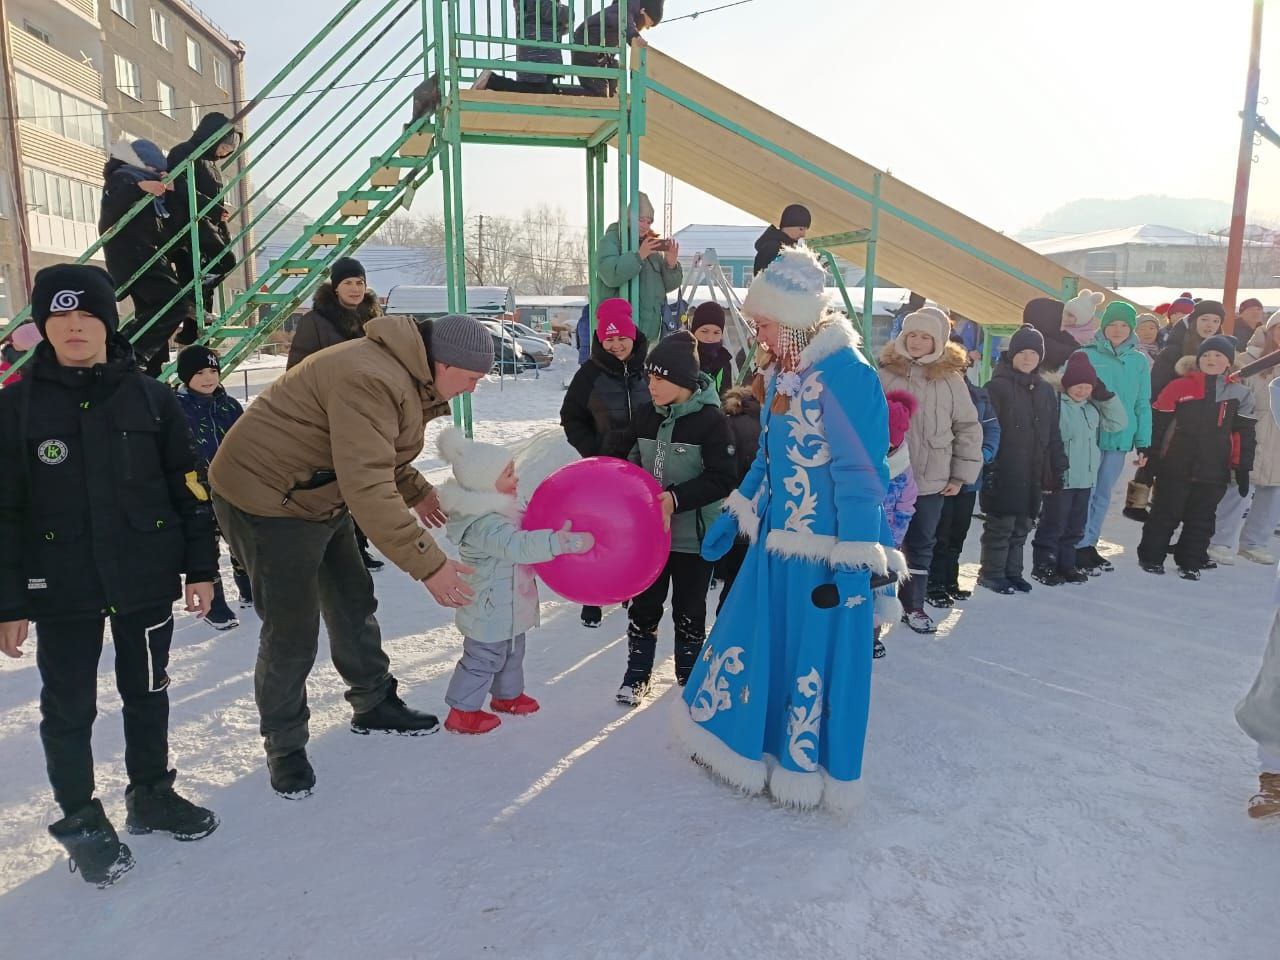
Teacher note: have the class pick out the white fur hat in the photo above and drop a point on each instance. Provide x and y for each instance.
(476, 466)
(930, 320)
(1080, 310)
(791, 290)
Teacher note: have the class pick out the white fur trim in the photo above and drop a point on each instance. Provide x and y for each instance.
(458, 500)
(836, 334)
(790, 290)
(799, 791)
(848, 553)
(898, 562)
(899, 460)
(795, 543)
(737, 771)
(929, 320)
(888, 609)
(841, 797)
(744, 511)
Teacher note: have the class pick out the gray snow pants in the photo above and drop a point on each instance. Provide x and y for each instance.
(483, 668)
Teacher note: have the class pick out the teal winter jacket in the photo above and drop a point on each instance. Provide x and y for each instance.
(1127, 373)
(615, 269)
(1082, 424)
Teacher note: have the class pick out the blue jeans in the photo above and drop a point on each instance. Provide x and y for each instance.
(1108, 473)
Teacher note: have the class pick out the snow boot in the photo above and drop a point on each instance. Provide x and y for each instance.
(919, 621)
(591, 617)
(1156, 568)
(220, 616)
(1207, 565)
(1223, 555)
(243, 587)
(957, 593)
(877, 648)
(393, 715)
(1048, 576)
(938, 597)
(1073, 576)
(1137, 514)
(371, 563)
(158, 808)
(1020, 584)
(1089, 559)
(520, 706)
(471, 721)
(689, 640)
(92, 845)
(1266, 802)
(292, 775)
(1189, 573)
(1256, 554)
(997, 585)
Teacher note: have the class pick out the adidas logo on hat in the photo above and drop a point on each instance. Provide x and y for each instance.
(611, 330)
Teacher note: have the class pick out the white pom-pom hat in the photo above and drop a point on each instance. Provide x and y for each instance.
(476, 466)
(790, 290)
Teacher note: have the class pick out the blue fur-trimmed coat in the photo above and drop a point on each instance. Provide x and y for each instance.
(780, 695)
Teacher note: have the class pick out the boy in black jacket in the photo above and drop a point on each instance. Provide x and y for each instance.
(684, 441)
(1202, 437)
(101, 513)
(707, 326)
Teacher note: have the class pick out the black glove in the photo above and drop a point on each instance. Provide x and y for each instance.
(1100, 391)
(1242, 482)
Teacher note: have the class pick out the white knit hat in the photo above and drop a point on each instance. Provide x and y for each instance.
(790, 290)
(928, 320)
(476, 466)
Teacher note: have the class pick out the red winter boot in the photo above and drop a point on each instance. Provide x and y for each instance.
(470, 721)
(521, 706)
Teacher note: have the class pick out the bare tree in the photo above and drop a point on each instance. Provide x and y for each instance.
(405, 230)
(494, 252)
(555, 254)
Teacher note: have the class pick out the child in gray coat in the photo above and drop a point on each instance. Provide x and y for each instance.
(484, 521)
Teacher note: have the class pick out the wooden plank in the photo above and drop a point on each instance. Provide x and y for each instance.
(385, 177)
(354, 208)
(419, 145)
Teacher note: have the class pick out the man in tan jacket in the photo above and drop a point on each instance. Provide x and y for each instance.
(336, 437)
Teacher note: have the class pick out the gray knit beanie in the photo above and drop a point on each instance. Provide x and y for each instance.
(459, 341)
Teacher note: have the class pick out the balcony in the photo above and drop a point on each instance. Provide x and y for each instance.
(55, 64)
(61, 237)
(88, 8)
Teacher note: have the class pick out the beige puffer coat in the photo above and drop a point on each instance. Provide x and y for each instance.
(945, 437)
(1266, 459)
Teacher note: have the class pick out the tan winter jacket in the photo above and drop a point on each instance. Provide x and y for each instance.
(359, 409)
(1266, 458)
(945, 437)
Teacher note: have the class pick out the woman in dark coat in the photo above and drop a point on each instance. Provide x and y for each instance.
(134, 171)
(214, 235)
(1045, 314)
(606, 395)
(341, 308)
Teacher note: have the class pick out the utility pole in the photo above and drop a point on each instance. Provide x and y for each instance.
(480, 253)
(1244, 164)
(668, 204)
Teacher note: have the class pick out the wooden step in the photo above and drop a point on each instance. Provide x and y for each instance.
(418, 145)
(385, 177)
(293, 271)
(326, 240)
(354, 208)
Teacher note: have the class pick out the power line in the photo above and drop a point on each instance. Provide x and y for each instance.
(697, 13)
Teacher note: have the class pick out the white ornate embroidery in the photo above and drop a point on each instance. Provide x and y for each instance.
(713, 694)
(808, 448)
(803, 727)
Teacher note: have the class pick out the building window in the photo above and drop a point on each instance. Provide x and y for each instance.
(128, 78)
(38, 32)
(58, 196)
(1157, 266)
(59, 112)
(160, 31)
(195, 56)
(222, 75)
(195, 115)
(1100, 265)
(167, 98)
(123, 8)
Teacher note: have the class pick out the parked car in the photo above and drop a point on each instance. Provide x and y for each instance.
(508, 356)
(535, 348)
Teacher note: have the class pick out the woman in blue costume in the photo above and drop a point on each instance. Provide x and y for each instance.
(779, 698)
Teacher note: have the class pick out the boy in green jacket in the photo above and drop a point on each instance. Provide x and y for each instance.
(684, 440)
(657, 264)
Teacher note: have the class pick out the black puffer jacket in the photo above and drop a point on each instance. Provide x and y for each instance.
(329, 323)
(743, 411)
(599, 409)
(1045, 314)
(139, 239)
(215, 236)
(100, 506)
(1031, 458)
(768, 245)
(1202, 427)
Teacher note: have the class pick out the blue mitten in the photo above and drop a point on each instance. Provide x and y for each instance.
(853, 586)
(720, 537)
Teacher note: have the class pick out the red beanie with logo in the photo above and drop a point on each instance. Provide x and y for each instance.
(613, 319)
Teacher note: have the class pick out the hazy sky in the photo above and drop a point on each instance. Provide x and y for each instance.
(1004, 109)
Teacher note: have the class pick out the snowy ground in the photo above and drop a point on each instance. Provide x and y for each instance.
(1053, 776)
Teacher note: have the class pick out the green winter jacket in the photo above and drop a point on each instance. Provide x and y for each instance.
(1127, 373)
(689, 448)
(1081, 424)
(615, 269)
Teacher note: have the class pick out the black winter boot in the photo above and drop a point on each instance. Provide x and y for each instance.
(689, 640)
(244, 587)
(292, 775)
(641, 644)
(220, 616)
(938, 596)
(393, 715)
(1048, 576)
(92, 845)
(591, 617)
(371, 563)
(156, 807)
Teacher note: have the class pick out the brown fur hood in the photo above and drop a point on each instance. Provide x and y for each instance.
(953, 361)
(738, 401)
(350, 322)
(1186, 365)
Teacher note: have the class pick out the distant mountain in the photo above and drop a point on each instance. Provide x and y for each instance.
(1086, 216)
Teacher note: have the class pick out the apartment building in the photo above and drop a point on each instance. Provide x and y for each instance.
(78, 75)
